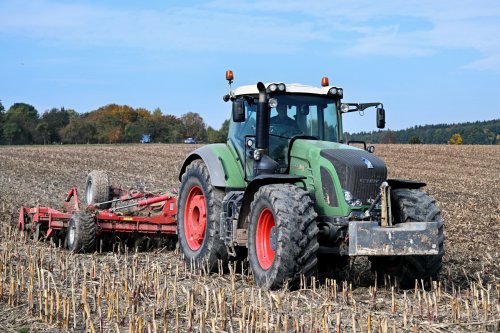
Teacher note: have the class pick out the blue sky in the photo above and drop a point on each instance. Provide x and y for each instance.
(428, 61)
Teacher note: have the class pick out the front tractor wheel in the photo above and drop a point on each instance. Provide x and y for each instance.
(282, 235)
(412, 206)
(200, 205)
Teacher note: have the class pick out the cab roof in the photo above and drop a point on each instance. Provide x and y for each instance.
(290, 88)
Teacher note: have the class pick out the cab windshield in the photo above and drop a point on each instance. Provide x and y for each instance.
(293, 115)
(305, 115)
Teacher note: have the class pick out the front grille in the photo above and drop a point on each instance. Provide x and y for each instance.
(359, 171)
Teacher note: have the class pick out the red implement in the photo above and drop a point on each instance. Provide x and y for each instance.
(152, 214)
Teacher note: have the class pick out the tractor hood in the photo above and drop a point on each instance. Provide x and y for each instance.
(358, 171)
(335, 168)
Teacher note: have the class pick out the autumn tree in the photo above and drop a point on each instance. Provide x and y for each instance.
(456, 139)
(110, 121)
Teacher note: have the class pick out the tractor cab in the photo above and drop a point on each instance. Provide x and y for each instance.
(293, 112)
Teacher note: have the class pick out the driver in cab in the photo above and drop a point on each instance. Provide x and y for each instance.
(282, 117)
(282, 129)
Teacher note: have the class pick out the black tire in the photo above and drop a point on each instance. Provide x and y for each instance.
(412, 206)
(97, 189)
(293, 241)
(206, 248)
(81, 235)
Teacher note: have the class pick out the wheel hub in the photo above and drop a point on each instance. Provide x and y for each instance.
(274, 238)
(195, 218)
(266, 239)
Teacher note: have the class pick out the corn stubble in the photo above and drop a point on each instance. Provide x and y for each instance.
(49, 289)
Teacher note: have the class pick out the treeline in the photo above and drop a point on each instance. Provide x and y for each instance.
(479, 132)
(22, 124)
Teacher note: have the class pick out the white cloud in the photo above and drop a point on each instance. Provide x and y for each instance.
(362, 27)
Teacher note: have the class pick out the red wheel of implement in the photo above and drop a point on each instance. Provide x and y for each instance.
(265, 238)
(195, 218)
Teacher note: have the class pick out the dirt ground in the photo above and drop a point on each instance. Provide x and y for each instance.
(45, 288)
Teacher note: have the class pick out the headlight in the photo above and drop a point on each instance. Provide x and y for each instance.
(273, 102)
(333, 91)
(344, 108)
(272, 87)
(340, 91)
(257, 154)
(281, 87)
(351, 200)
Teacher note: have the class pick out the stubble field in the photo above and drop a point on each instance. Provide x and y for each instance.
(45, 288)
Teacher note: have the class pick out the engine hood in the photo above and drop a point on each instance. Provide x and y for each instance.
(358, 171)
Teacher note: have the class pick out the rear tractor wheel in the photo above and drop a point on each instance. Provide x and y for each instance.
(199, 210)
(81, 235)
(412, 206)
(97, 189)
(282, 236)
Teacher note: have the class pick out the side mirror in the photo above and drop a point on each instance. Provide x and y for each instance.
(380, 118)
(238, 111)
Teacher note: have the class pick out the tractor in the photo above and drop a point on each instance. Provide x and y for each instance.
(289, 195)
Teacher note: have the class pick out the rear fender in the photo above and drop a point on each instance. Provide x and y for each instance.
(225, 171)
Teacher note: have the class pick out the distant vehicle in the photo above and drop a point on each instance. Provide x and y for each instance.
(146, 138)
(190, 141)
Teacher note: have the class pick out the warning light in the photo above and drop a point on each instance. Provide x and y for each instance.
(324, 81)
(229, 75)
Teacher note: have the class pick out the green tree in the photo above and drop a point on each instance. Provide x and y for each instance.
(389, 137)
(79, 130)
(2, 121)
(456, 139)
(194, 126)
(43, 129)
(224, 130)
(20, 124)
(213, 135)
(414, 140)
(56, 119)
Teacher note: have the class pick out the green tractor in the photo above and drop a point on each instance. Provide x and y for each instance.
(288, 194)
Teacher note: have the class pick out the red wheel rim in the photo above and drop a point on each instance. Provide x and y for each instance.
(195, 218)
(265, 253)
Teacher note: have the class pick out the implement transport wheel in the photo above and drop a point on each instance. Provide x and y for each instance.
(411, 206)
(81, 235)
(97, 189)
(199, 210)
(282, 235)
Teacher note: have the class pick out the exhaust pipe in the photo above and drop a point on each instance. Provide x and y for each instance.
(263, 163)
(262, 131)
